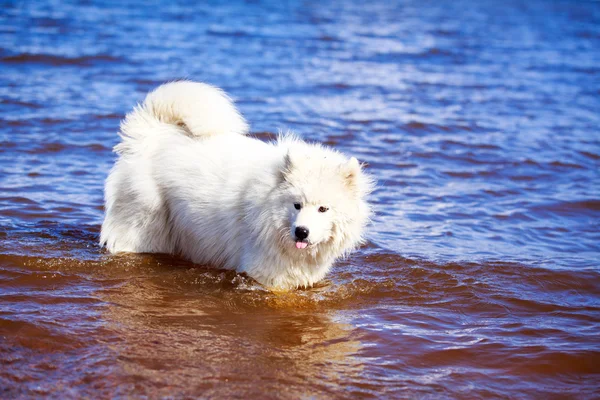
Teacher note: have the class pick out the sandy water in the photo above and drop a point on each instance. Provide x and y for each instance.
(481, 276)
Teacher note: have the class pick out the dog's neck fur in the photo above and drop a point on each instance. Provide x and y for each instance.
(284, 266)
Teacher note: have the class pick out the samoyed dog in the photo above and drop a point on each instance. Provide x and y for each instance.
(189, 182)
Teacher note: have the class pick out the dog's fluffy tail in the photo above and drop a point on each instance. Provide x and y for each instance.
(197, 109)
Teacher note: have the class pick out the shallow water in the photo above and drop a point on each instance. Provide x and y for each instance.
(481, 276)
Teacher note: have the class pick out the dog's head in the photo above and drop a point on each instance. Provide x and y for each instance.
(323, 195)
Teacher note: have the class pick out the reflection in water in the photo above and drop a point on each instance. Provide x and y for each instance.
(300, 355)
(172, 337)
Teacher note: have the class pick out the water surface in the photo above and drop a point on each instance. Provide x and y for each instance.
(480, 123)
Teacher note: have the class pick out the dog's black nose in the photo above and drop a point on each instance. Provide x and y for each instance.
(301, 233)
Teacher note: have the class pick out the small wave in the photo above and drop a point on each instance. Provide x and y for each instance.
(423, 127)
(30, 212)
(55, 60)
(20, 103)
(18, 200)
(48, 148)
(36, 122)
(543, 361)
(591, 206)
(446, 144)
(5, 145)
(444, 32)
(469, 174)
(329, 38)
(57, 147)
(435, 51)
(589, 154)
(30, 332)
(415, 54)
(565, 165)
(97, 147)
(226, 32)
(111, 116)
(336, 85)
(502, 192)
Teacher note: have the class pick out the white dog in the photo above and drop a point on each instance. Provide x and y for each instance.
(189, 182)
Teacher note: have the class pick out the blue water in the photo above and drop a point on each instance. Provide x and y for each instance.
(479, 120)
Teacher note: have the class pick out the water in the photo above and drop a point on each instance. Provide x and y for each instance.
(480, 121)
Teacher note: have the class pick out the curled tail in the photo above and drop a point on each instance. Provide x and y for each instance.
(197, 109)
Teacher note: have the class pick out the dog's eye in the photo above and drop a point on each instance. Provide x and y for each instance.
(297, 206)
(323, 209)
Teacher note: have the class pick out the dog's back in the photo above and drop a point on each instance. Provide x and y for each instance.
(137, 217)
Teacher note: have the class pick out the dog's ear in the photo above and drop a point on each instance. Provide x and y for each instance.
(287, 161)
(287, 167)
(350, 171)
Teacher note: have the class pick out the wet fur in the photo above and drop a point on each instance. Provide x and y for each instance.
(189, 182)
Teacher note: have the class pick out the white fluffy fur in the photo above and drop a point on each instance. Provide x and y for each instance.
(189, 182)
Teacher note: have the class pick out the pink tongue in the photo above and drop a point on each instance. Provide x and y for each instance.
(301, 245)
